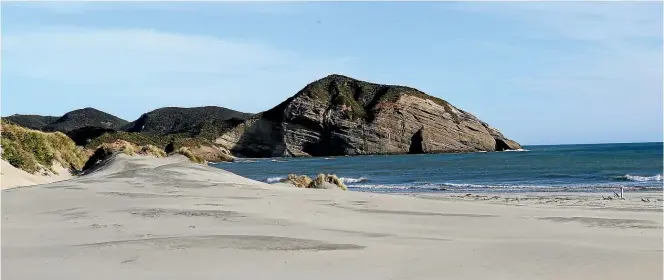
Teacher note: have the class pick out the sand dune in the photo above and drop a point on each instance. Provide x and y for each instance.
(146, 218)
(12, 177)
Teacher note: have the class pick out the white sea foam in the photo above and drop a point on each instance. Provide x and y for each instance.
(479, 187)
(517, 150)
(636, 178)
(353, 180)
(382, 187)
(274, 179)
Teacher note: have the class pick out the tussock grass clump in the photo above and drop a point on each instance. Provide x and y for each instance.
(200, 149)
(185, 151)
(152, 150)
(204, 152)
(34, 151)
(131, 149)
(131, 137)
(303, 181)
(121, 146)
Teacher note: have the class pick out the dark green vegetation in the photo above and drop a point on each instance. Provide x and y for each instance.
(31, 121)
(83, 136)
(85, 117)
(358, 98)
(171, 120)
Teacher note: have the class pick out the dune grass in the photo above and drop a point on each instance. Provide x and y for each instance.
(185, 151)
(132, 149)
(198, 150)
(33, 151)
(152, 150)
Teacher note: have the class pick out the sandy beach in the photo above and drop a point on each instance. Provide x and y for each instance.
(146, 218)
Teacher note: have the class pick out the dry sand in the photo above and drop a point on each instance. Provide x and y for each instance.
(145, 218)
(12, 177)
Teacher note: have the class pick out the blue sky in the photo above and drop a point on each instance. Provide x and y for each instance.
(542, 73)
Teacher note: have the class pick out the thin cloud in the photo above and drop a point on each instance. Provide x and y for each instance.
(83, 7)
(175, 67)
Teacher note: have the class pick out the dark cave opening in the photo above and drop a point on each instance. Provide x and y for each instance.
(501, 145)
(416, 143)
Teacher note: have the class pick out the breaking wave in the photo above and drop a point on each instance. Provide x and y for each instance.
(517, 150)
(274, 179)
(343, 179)
(457, 187)
(636, 178)
(353, 180)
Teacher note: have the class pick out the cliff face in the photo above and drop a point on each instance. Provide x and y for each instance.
(338, 115)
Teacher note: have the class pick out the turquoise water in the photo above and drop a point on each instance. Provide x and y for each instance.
(584, 168)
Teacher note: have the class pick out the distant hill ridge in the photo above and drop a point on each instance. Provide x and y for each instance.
(83, 118)
(169, 120)
(162, 121)
(36, 122)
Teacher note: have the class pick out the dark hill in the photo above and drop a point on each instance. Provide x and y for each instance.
(82, 136)
(339, 115)
(36, 122)
(197, 120)
(83, 118)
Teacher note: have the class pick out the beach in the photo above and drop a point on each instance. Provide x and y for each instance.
(147, 218)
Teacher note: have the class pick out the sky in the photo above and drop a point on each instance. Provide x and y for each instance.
(541, 72)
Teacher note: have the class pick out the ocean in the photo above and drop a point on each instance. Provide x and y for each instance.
(569, 168)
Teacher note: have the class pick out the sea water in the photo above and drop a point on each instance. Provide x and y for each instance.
(573, 168)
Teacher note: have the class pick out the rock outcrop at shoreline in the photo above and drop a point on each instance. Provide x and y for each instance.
(321, 181)
(338, 115)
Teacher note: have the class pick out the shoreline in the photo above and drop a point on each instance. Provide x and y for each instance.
(149, 218)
